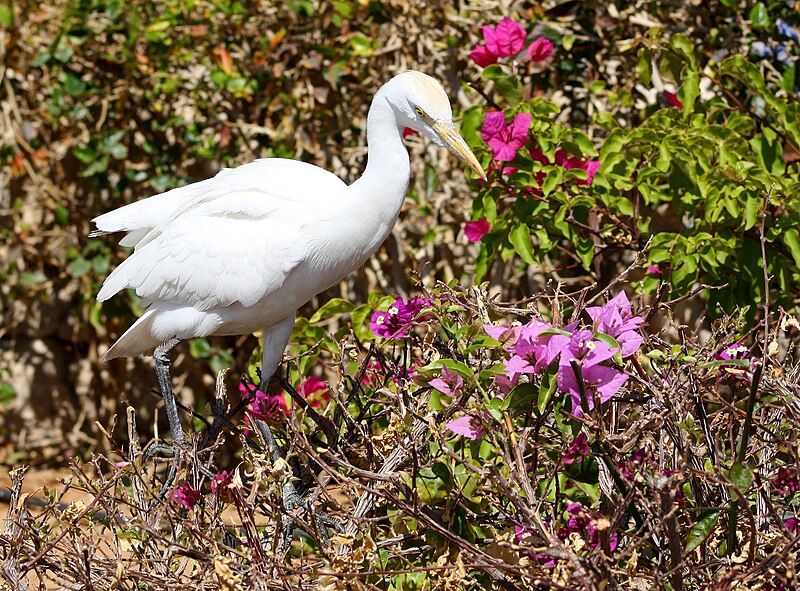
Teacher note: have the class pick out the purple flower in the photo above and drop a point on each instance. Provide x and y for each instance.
(397, 320)
(617, 320)
(590, 526)
(186, 496)
(793, 525)
(540, 50)
(597, 379)
(786, 482)
(505, 139)
(469, 426)
(505, 335)
(577, 450)
(569, 162)
(733, 352)
(476, 230)
(449, 383)
(535, 350)
(504, 40)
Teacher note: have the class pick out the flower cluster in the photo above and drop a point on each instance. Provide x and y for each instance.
(786, 482)
(476, 230)
(508, 39)
(264, 406)
(506, 140)
(395, 322)
(582, 357)
(581, 524)
(315, 391)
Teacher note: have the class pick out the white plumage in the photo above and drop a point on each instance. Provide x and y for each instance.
(242, 251)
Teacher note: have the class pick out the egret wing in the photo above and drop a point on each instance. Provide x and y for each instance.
(237, 242)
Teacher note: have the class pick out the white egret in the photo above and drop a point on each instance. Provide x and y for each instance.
(242, 251)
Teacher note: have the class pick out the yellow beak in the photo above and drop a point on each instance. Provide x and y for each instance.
(456, 144)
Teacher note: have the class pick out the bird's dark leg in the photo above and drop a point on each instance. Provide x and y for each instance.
(275, 340)
(161, 362)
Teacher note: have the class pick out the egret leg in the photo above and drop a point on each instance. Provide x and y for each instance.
(275, 340)
(161, 362)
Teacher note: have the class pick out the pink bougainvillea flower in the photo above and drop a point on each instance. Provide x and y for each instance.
(654, 270)
(786, 482)
(617, 320)
(597, 379)
(673, 100)
(469, 426)
(449, 382)
(588, 526)
(792, 524)
(633, 464)
(477, 229)
(482, 56)
(569, 162)
(578, 449)
(264, 406)
(505, 139)
(734, 351)
(536, 348)
(540, 50)
(185, 496)
(504, 40)
(221, 483)
(398, 319)
(495, 171)
(506, 383)
(315, 391)
(408, 131)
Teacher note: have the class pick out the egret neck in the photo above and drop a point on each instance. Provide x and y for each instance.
(385, 180)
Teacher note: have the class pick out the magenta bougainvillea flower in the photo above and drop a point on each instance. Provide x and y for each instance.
(578, 449)
(476, 230)
(449, 382)
(504, 40)
(315, 391)
(588, 525)
(264, 406)
(673, 100)
(654, 270)
(569, 162)
(734, 351)
(540, 50)
(786, 482)
(469, 426)
(185, 496)
(221, 483)
(617, 320)
(395, 322)
(505, 139)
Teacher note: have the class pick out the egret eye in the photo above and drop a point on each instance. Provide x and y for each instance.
(420, 112)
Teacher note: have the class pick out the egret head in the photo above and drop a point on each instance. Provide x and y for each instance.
(421, 103)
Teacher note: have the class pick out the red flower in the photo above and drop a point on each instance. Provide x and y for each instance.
(186, 496)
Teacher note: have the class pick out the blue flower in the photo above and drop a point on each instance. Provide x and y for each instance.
(786, 29)
(782, 55)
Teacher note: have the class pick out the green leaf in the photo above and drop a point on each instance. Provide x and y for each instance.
(740, 477)
(433, 484)
(690, 90)
(331, 308)
(62, 214)
(683, 45)
(701, 530)
(546, 391)
(520, 238)
(79, 267)
(510, 88)
(792, 239)
(759, 16)
(644, 66)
